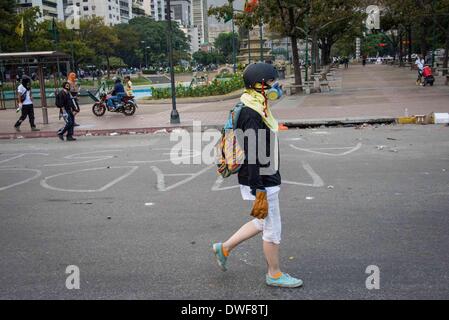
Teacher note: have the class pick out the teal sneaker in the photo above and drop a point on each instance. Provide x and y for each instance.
(221, 259)
(285, 281)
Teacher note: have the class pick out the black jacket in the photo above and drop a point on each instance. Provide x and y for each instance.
(64, 100)
(261, 173)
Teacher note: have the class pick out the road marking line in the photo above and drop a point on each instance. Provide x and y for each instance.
(17, 156)
(219, 182)
(317, 181)
(192, 154)
(161, 178)
(352, 149)
(77, 156)
(38, 173)
(105, 187)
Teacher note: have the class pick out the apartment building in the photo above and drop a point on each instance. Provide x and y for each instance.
(200, 20)
(49, 8)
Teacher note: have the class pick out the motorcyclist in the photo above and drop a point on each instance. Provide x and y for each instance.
(116, 94)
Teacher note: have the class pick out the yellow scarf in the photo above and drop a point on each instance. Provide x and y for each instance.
(256, 101)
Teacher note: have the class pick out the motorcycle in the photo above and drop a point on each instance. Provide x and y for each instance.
(127, 106)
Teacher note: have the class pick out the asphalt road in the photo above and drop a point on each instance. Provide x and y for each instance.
(140, 227)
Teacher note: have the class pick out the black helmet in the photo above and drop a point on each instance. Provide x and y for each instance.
(258, 73)
(118, 80)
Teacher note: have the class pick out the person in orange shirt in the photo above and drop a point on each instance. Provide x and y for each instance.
(74, 91)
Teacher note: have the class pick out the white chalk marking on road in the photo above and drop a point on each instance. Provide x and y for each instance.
(17, 156)
(37, 174)
(161, 178)
(149, 204)
(105, 187)
(219, 182)
(191, 154)
(313, 150)
(79, 156)
(294, 139)
(310, 198)
(317, 181)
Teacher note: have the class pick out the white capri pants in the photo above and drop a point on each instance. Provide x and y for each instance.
(271, 225)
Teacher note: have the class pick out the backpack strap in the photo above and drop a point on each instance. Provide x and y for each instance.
(231, 122)
(236, 114)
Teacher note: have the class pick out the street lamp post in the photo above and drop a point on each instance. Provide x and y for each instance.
(144, 52)
(146, 57)
(174, 117)
(233, 37)
(249, 46)
(434, 34)
(261, 40)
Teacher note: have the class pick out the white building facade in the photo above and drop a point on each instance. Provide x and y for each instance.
(49, 8)
(200, 20)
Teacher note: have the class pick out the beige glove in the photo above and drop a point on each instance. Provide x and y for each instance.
(260, 206)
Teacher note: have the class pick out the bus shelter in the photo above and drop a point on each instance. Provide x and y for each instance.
(43, 62)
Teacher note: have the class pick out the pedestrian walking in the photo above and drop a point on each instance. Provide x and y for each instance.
(25, 103)
(74, 91)
(258, 180)
(66, 104)
(364, 60)
(346, 62)
(419, 62)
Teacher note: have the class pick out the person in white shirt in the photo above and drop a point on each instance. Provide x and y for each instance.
(420, 64)
(25, 100)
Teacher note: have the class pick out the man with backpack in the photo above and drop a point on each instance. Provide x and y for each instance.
(258, 175)
(25, 100)
(66, 105)
(420, 66)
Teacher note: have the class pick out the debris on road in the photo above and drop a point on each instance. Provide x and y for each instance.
(161, 131)
(114, 134)
(330, 187)
(310, 198)
(363, 126)
(380, 147)
(391, 139)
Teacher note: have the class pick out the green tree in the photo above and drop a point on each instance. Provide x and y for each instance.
(8, 22)
(143, 32)
(206, 58)
(100, 38)
(223, 43)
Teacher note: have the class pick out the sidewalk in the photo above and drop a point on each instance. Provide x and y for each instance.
(370, 92)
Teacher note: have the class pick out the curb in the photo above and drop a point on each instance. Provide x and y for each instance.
(301, 124)
(310, 123)
(229, 96)
(104, 132)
